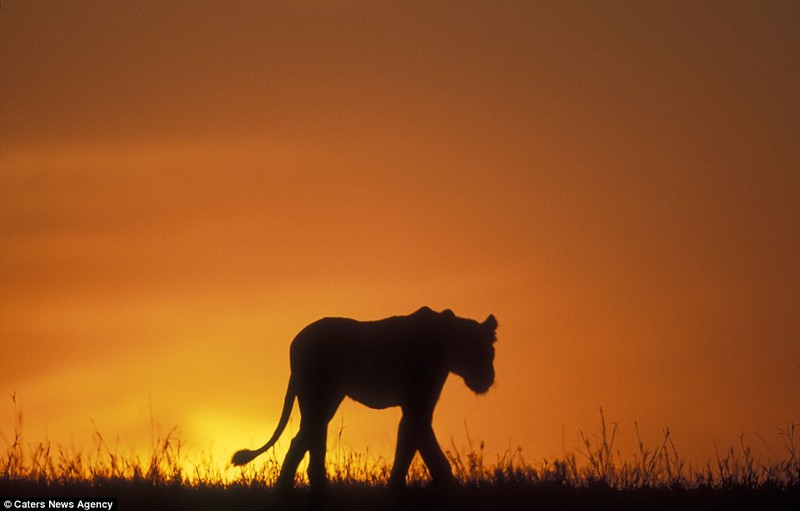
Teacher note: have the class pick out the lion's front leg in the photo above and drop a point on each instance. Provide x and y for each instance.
(434, 458)
(404, 453)
(416, 433)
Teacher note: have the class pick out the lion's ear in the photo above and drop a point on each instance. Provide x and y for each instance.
(490, 323)
(448, 313)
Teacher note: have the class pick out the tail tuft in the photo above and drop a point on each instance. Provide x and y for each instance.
(243, 457)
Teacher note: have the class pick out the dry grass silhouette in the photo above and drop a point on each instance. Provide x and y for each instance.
(593, 476)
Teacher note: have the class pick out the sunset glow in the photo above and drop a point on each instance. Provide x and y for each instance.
(185, 185)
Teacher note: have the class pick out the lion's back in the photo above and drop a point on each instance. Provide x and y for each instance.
(373, 362)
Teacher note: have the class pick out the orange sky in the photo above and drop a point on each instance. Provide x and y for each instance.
(185, 185)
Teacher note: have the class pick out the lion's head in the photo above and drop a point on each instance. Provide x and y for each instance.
(472, 349)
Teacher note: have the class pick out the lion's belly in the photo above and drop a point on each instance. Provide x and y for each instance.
(374, 388)
(378, 398)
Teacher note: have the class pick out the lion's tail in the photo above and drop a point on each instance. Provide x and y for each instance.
(245, 456)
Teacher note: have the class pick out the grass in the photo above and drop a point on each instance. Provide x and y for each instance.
(593, 476)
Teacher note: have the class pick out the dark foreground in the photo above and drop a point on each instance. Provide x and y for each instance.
(144, 496)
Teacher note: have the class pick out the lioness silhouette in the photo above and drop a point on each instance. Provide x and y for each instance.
(399, 361)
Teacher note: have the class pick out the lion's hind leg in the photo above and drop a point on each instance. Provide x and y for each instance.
(312, 437)
(317, 413)
(317, 445)
(297, 449)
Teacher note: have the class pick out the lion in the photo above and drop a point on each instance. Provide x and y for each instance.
(399, 361)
